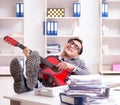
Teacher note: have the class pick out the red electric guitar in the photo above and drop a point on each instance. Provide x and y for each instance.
(50, 69)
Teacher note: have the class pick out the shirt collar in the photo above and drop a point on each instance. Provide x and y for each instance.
(64, 59)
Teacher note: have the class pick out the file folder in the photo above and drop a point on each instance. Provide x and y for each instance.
(21, 10)
(71, 100)
(76, 9)
(17, 9)
(104, 9)
(44, 27)
(48, 27)
(51, 27)
(55, 28)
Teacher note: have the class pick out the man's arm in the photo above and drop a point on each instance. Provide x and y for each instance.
(81, 68)
(78, 66)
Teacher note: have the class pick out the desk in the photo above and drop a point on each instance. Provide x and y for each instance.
(115, 96)
(29, 98)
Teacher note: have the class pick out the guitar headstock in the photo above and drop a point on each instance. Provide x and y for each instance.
(11, 41)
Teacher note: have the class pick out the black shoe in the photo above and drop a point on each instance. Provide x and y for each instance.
(32, 68)
(19, 79)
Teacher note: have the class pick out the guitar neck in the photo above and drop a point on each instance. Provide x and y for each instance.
(15, 43)
(21, 46)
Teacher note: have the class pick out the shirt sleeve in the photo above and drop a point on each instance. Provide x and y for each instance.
(81, 68)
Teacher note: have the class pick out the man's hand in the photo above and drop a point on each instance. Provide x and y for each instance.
(64, 65)
(26, 52)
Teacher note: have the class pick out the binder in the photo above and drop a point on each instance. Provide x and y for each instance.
(76, 9)
(71, 100)
(51, 27)
(104, 9)
(17, 9)
(55, 28)
(44, 28)
(48, 25)
(21, 10)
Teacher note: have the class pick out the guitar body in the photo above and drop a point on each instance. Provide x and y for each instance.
(58, 76)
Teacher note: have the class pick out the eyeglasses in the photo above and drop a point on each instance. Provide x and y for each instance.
(76, 47)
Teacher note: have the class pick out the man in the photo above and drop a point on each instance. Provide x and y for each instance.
(69, 59)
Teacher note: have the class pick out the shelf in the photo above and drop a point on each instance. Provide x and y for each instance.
(11, 18)
(108, 72)
(71, 18)
(16, 35)
(65, 25)
(8, 8)
(61, 36)
(110, 18)
(13, 26)
(11, 55)
(4, 70)
(112, 0)
(111, 54)
(110, 38)
(107, 69)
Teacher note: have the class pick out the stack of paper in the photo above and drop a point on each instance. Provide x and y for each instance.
(53, 48)
(86, 90)
(87, 85)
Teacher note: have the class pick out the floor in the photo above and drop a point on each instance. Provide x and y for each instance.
(6, 87)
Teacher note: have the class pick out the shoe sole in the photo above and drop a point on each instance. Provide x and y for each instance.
(17, 74)
(32, 68)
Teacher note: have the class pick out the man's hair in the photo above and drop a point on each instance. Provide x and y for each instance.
(80, 41)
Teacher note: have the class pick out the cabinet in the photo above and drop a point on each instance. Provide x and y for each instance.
(110, 38)
(67, 25)
(9, 25)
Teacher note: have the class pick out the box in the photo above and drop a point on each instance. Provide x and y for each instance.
(55, 12)
(116, 67)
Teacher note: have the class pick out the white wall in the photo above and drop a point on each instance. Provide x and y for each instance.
(34, 17)
(90, 32)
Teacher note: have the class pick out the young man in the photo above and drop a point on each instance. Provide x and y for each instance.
(69, 59)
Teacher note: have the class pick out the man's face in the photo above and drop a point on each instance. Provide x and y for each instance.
(72, 48)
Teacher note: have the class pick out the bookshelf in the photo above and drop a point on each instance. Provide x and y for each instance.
(110, 37)
(66, 23)
(10, 24)
(31, 26)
